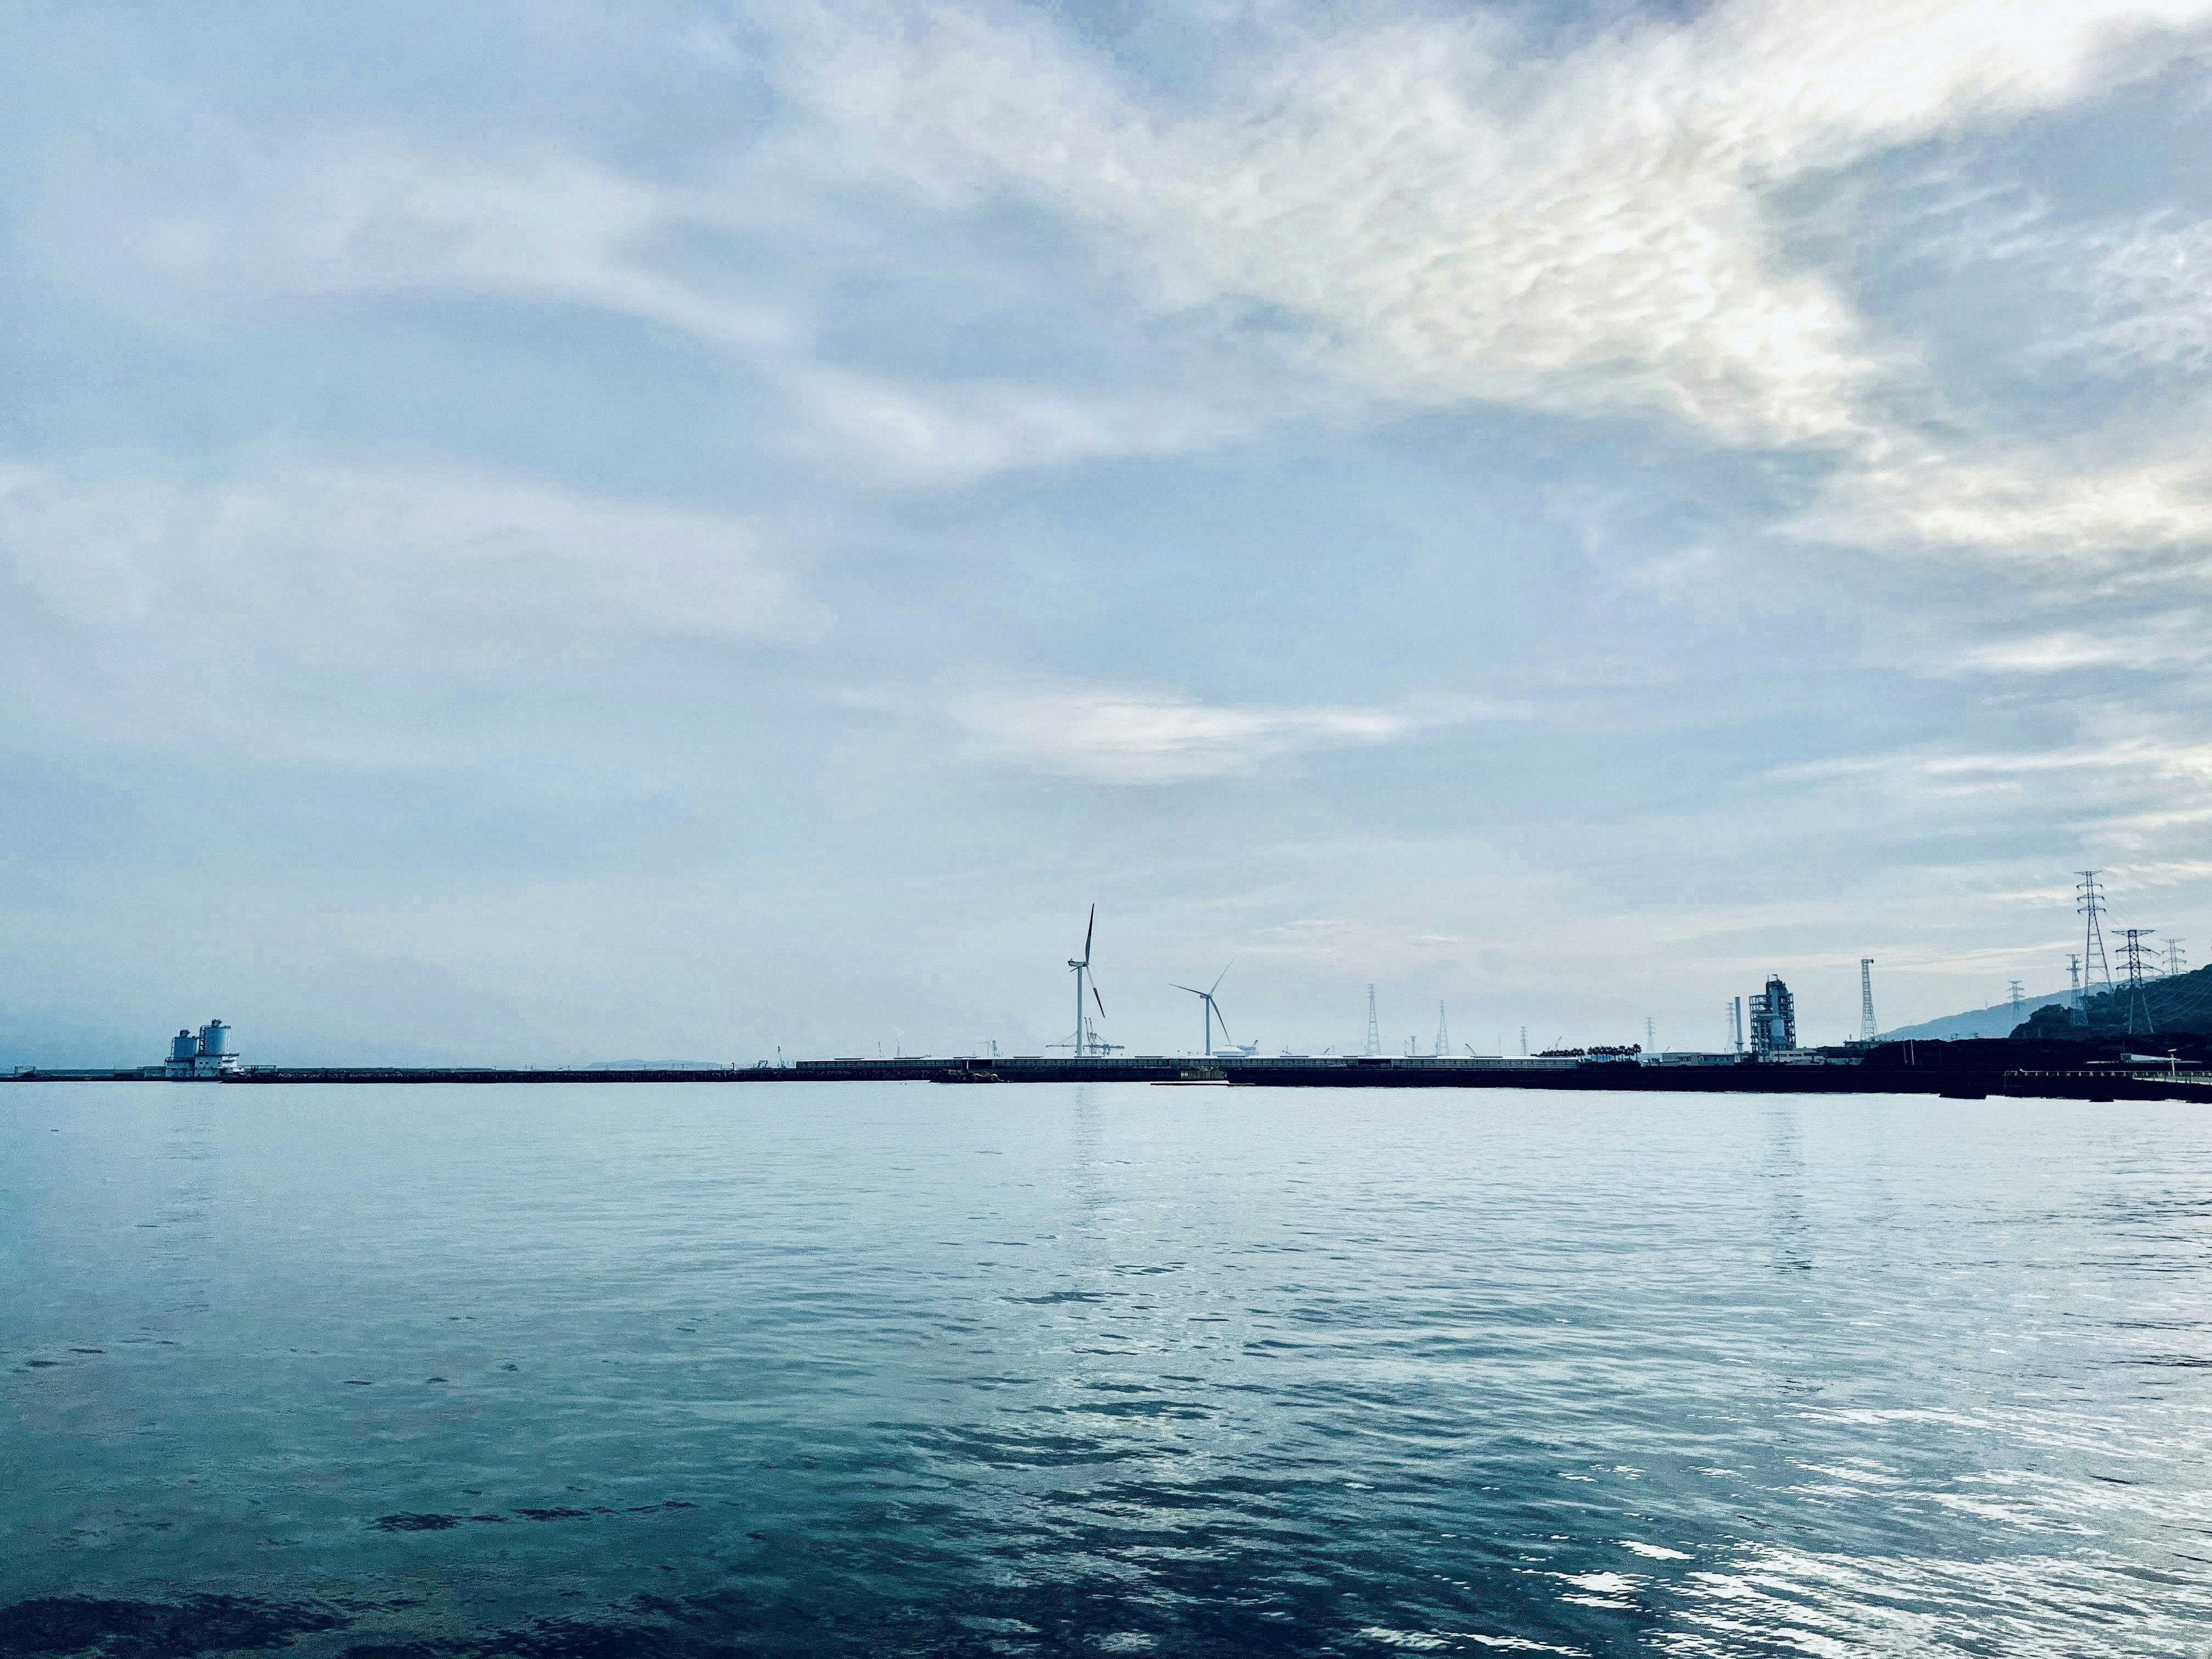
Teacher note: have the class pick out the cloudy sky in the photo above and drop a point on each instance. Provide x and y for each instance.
(561, 531)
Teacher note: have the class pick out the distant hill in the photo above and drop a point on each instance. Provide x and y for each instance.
(2181, 1003)
(1992, 1022)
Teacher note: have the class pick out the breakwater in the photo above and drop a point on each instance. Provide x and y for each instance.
(1956, 1070)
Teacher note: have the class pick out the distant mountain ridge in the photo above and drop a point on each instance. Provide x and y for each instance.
(2181, 1003)
(1996, 1021)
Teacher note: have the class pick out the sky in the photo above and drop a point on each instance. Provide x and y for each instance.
(566, 533)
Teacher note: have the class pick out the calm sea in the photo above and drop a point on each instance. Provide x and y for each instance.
(886, 1369)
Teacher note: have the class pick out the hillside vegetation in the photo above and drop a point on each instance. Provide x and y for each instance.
(2177, 1006)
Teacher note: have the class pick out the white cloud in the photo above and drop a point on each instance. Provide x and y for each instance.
(2154, 291)
(2017, 508)
(1450, 217)
(368, 216)
(1583, 234)
(391, 568)
(2154, 645)
(1145, 736)
(955, 434)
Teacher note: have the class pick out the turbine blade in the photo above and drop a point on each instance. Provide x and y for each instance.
(1088, 928)
(1224, 973)
(1096, 997)
(1193, 989)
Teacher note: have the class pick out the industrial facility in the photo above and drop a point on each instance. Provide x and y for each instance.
(206, 1054)
(1773, 1019)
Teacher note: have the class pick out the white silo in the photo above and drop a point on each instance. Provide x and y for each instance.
(215, 1039)
(183, 1047)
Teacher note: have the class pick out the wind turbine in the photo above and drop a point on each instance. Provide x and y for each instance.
(1212, 1008)
(1082, 971)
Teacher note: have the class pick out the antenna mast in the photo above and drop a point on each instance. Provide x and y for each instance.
(1443, 1033)
(1867, 1031)
(1374, 1031)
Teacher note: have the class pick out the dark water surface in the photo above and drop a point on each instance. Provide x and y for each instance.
(904, 1369)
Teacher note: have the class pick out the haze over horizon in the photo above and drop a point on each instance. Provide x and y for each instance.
(572, 532)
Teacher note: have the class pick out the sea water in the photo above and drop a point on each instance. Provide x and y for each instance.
(880, 1369)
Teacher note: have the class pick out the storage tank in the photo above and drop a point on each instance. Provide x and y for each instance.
(182, 1048)
(214, 1038)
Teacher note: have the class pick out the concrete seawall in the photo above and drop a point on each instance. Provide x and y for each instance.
(1960, 1071)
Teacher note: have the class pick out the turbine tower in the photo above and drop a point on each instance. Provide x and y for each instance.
(1867, 1031)
(1212, 1008)
(1374, 1031)
(1082, 972)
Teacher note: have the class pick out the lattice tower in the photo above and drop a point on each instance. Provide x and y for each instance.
(2132, 952)
(2089, 902)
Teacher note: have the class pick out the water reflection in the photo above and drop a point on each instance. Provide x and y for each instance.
(1099, 1369)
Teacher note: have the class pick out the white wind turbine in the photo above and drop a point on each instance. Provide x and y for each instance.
(1082, 971)
(1212, 1008)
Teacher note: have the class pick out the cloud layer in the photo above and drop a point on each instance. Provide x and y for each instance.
(1380, 486)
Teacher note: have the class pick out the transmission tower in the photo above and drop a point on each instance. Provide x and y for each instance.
(2074, 987)
(1374, 1031)
(2177, 961)
(1650, 1042)
(1524, 1043)
(1867, 1031)
(2132, 953)
(2015, 995)
(2089, 901)
(1443, 1033)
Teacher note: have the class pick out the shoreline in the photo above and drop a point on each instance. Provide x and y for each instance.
(1921, 1069)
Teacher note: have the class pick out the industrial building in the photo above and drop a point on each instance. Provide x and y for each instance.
(1773, 1019)
(207, 1055)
